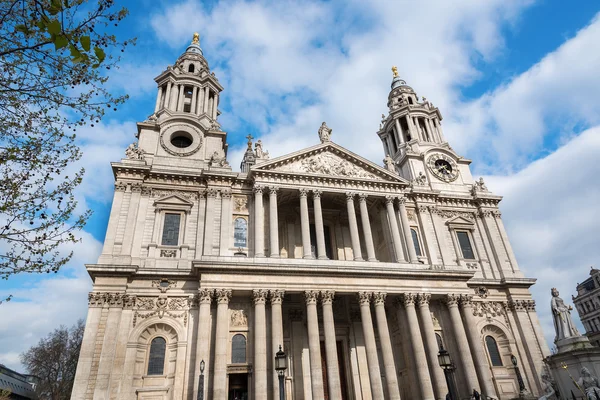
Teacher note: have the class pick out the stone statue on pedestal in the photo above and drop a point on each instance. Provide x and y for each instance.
(563, 324)
(589, 384)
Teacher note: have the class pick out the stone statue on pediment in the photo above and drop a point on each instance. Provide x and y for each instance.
(133, 152)
(325, 133)
(218, 160)
(389, 163)
(259, 151)
(561, 313)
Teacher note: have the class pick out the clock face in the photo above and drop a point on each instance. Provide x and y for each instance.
(443, 167)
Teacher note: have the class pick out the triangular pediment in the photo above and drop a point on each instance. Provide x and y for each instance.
(174, 202)
(330, 160)
(460, 221)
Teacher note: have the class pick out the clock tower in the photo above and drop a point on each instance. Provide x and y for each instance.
(413, 140)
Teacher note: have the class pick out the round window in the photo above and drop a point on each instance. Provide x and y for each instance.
(181, 140)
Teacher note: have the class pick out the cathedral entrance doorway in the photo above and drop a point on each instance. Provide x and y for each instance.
(238, 387)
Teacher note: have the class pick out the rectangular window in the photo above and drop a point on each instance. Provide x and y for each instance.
(465, 245)
(170, 235)
(415, 238)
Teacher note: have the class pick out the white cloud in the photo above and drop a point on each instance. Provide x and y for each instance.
(551, 213)
(38, 308)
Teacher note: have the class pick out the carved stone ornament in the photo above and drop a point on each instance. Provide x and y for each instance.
(240, 203)
(259, 296)
(223, 295)
(481, 291)
(276, 296)
(479, 186)
(238, 317)
(175, 307)
(328, 164)
(451, 299)
(168, 253)
(191, 196)
(218, 159)
(164, 284)
(379, 298)
(133, 152)
(488, 309)
(420, 180)
(206, 295)
(189, 131)
(408, 299)
(424, 299)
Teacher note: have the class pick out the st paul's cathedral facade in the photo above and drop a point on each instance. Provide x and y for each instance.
(360, 272)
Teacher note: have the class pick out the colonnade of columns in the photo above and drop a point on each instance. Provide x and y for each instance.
(397, 222)
(431, 131)
(413, 310)
(172, 96)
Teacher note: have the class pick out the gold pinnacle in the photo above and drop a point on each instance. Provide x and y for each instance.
(196, 39)
(395, 71)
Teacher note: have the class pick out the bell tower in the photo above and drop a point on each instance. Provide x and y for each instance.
(413, 140)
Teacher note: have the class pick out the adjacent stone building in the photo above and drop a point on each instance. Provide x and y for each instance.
(360, 271)
(587, 303)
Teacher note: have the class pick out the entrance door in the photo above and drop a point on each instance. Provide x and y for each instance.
(238, 387)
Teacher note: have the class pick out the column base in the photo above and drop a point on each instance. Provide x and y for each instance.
(259, 255)
(323, 258)
(274, 256)
(358, 259)
(373, 260)
(308, 257)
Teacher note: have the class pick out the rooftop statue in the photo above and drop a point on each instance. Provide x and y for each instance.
(325, 133)
(561, 313)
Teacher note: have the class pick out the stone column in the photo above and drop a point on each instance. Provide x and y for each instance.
(353, 226)
(389, 204)
(200, 102)
(366, 224)
(406, 229)
(476, 344)
(215, 106)
(203, 338)
(333, 372)
(260, 344)
(259, 223)
(430, 242)
(167, 99)
(174, 97)
(305, 224)
(364, 298)
(399, 130)
(225, 240)
(205, 103)
(209, 221)
(221, 340)
(414, 134)
(462, 343)
(181, 98)
(273, 222)
(389, 365)
(276, 297)
(194, 100)
(422, 369)
(158, 96)
(314, 345)
(321, 253)
(431, 347)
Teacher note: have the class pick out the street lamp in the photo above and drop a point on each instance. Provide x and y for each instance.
(445, 362)
(522, 389)
(201, 381)
(280, 367)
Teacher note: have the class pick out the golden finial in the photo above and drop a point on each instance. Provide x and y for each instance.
(196, 39)
(395, 71)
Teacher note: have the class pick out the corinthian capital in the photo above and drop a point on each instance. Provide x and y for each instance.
(311, 296)
(364, 298)
(206, 295)
(276, 296)
(350, 196)
(258, 189)
(466, 300)
(327, 296)
(317, 193)
(379, 298)
(451, 299)
(303, 192)
(259, 296)
(408, 299)
(223, 296)
(424, 299)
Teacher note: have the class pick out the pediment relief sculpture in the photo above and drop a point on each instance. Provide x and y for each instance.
(327, 164)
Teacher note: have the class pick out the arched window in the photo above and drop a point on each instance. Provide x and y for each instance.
(415, 238)
(156, 360)
(493, 350)
(410, 100)
(238, 349)
(438, 339)
(191, 68)
(240, 233)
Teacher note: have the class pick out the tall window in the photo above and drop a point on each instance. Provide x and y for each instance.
(415, 238)
(240, 233)
(493, 350)
(238, 349)
(170, 236)
(438, 339)
(156, 361)
(465, 245)
(191, 68)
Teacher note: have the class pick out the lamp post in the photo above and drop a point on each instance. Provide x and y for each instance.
(201, 381)
(522, 389)
(280, 367)
(446, 364)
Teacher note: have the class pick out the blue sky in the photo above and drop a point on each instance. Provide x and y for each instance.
(516, 82)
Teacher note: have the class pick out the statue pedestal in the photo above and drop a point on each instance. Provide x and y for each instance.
(574, 353)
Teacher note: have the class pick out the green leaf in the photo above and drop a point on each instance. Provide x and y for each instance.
(54, 27)
(60, 41)
(55, 7)
(22, 28)
(99, 54)
(85, 42)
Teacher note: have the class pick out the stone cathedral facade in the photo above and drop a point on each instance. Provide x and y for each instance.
(359, 271)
